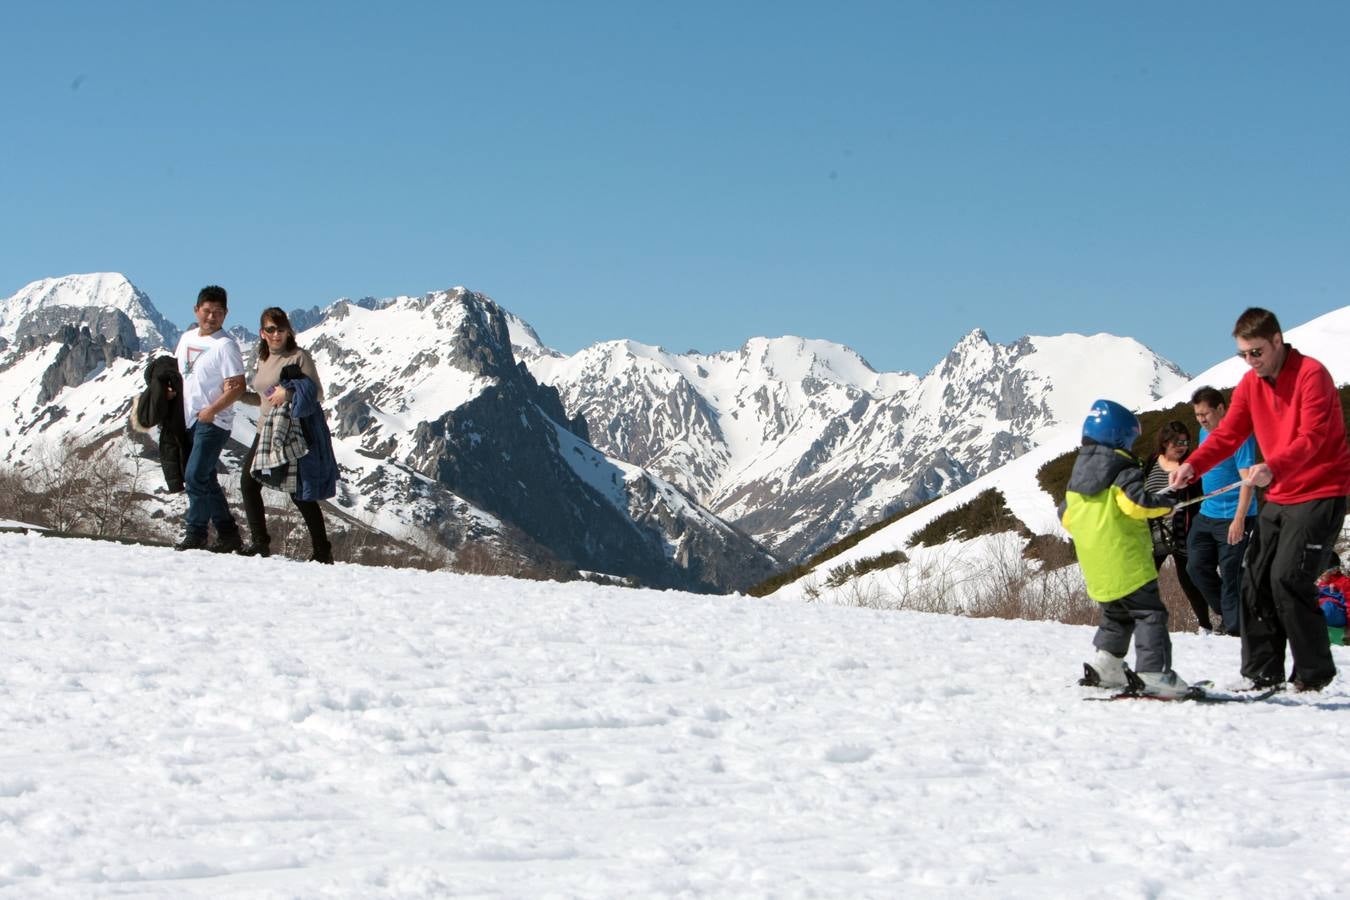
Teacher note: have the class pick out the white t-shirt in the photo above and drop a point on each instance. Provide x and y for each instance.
(205, 363)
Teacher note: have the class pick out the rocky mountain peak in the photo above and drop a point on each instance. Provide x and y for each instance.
(97, 291)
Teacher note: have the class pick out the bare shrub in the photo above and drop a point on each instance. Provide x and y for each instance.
(478, 559)
(18, 501)
(77, 490)
(933, 583)
(111, 492)
(866, 594)
(1016, 587)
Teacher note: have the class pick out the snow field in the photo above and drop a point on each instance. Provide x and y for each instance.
(177, 725)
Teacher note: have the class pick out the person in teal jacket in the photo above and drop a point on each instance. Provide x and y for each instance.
(1106, 510)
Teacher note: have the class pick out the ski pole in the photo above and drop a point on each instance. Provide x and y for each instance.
(1222, 490)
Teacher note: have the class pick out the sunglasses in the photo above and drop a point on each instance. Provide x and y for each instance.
(1254, 353)
(1179, 442)
(272, 329)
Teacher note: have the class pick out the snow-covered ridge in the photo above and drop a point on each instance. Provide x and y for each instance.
(801, 441)
(97, 291)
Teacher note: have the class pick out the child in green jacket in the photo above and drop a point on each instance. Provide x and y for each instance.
(1106, 510)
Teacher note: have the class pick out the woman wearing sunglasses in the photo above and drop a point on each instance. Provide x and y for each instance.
(296, 454)
(1170, 532)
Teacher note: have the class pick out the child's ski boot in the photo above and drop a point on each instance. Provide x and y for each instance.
(1106, 670)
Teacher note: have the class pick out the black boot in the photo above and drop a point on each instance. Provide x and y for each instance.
(318, 533)
(228, 542)
(191, 542)
(257, 546)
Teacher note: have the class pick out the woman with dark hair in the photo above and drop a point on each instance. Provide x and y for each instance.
(287, 389)
(1169, 532)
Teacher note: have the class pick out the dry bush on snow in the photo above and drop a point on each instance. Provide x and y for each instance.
(76, 490)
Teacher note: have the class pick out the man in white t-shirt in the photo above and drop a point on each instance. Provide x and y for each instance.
(213, 379)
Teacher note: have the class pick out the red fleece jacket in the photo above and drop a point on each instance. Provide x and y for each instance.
(1298, 425)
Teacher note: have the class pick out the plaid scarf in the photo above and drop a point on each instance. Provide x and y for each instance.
(280, 444)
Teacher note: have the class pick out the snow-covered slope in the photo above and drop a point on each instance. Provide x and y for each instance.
(275, 729)
(1324, 338)
(801, 442)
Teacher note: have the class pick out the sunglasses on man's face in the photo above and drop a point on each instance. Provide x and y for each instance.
(272, 329)
(1179, 442)
(1254, 353)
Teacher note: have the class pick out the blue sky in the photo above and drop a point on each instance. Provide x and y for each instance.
(885, 175)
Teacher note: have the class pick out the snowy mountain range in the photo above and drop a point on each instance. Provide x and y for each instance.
(452, 419)
(801, 442)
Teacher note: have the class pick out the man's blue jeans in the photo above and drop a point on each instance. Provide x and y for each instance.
(206, 501)
(1216, 566)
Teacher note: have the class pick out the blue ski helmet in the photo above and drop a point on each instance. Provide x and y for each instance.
(1111, 424)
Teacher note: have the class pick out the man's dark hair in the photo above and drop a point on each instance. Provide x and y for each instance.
(1255, 323)
(213, 293)
(1209, 396)
(1170, 432)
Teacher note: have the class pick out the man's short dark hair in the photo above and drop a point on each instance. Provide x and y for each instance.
(1255, 323)
(213, 293)
(1209, 396)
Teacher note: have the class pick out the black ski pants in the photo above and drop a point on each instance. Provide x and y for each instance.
(1290, 548)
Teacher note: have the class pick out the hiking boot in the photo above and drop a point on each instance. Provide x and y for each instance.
(324, 556)
(1263, 684)
(1163, 684)
(1302, 686)
(1106, 670)
(227, 543)
(256, 547)
(191, 542)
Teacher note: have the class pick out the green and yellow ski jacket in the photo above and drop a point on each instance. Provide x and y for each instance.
(1106, 510)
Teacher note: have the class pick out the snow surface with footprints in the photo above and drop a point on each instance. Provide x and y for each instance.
(182, 725)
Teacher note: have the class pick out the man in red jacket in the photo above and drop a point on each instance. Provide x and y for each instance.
(1290, 402)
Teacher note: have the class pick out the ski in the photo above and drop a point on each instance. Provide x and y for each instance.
(1199, 692)
(1193, 694)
